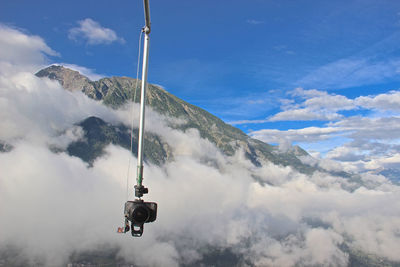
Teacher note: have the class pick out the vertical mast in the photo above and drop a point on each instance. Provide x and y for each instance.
(139, 212)
(139, 188)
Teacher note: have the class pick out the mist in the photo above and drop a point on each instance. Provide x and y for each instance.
(53, 204)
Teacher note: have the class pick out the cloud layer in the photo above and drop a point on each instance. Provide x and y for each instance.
(52, 205)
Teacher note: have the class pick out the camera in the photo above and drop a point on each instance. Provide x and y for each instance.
(138, 213)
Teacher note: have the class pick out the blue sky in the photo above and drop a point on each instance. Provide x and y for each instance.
(287, 72)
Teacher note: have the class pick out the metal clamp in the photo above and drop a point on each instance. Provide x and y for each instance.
(140, 191)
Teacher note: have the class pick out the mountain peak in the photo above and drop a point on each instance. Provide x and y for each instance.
(70, 79)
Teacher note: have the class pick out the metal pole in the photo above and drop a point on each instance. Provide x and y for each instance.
(147, 14)
(142, 110)
(139, 190)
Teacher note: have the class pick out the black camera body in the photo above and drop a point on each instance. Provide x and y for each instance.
(138, 213)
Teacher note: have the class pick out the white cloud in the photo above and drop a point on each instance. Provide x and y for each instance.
(25, 98)
(306, 94)
(306, 105)
(330, 102)
(387, 101)
(20, 49)
(369, 140)
(255, 22)
(351, 72)
(377, 63)
(314, 105)
(364, 128)
(305, 114)
(345, 153)
(93, 33)
(380, 163)
(247, 122)
(310, 134)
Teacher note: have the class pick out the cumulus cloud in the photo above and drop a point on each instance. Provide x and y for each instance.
(363, 140)
(254, 21)
(368, 156)
(52, 205)
(93, 33)
(313, 105)
(387, 101)
(20, 49)
(370, 128)
(320, 105)
(305, 114)
(247, 122)
(307, 105)
(310, 134)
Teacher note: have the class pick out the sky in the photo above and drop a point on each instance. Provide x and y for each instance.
(320, 74)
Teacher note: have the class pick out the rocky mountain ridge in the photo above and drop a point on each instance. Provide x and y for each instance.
(116, 91)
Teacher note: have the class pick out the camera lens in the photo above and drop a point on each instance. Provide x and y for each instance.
(140, 214)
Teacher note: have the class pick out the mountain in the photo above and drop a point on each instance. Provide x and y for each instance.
(98, 134)
(4, 147)
(116, 91)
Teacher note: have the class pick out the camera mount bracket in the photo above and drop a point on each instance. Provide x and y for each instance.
(140, 190)
(139, 232)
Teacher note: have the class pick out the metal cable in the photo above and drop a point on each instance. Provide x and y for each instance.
(133, 112)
